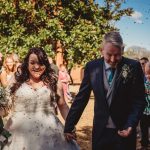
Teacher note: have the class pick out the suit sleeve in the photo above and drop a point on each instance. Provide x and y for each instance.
(79, 103)
(138, 95)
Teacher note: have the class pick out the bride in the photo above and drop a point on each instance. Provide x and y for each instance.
(35, 96)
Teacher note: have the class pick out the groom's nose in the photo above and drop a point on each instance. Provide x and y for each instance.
(112, 59)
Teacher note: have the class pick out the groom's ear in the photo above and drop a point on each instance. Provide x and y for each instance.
(101, 51)
(122, 51)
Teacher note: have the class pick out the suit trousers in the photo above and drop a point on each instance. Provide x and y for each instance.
(110, 140)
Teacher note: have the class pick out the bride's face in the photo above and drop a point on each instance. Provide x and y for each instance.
(35, 68)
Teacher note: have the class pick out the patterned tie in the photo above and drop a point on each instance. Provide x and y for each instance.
(112, 70)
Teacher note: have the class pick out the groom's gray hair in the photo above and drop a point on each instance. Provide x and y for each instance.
(115, 38)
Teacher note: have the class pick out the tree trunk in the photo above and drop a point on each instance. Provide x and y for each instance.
(59, 54)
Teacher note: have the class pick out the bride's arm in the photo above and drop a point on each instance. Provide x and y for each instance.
(63, 107)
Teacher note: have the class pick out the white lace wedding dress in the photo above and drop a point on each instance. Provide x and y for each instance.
(33, 123)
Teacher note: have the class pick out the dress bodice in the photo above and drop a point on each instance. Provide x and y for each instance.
(30, 100)
(33, 123)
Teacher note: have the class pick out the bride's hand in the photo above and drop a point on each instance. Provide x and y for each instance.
(70, 136)
(125, 132)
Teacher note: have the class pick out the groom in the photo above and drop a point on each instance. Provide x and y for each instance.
(118, 86)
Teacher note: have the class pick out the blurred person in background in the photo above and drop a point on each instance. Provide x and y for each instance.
(4, 134)
(1, 67)
(65, 79)
(53, 65)
(8, 70)
(16, 60)
(143, 61)
(145, 120)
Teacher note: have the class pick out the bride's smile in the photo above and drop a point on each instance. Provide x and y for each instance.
(36, 69)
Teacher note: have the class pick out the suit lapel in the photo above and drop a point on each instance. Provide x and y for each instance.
(100, 80)
(117, 79)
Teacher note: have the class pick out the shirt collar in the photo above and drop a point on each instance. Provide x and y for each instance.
(107, 66)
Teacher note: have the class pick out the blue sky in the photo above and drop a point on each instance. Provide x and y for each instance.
(135, 30)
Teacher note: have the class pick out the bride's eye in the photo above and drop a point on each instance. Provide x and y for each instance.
(32, 62)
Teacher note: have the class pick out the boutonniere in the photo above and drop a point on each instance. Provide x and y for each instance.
(126, 73)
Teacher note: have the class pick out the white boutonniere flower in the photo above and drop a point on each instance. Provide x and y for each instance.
(126, 72)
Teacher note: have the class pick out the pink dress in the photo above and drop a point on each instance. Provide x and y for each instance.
(64, 78)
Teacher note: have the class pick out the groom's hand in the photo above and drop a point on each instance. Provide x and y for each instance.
(70, 136)
(125, 132)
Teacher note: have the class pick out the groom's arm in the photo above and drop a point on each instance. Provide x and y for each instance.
(138, 96)
(79, 103)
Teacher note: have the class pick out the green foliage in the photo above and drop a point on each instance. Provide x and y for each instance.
(78, 24)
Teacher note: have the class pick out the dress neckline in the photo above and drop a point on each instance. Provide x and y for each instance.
(34, 89)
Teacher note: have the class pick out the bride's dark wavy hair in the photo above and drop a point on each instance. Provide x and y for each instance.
(48, 77)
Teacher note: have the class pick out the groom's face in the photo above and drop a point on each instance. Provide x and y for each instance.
(112, 54)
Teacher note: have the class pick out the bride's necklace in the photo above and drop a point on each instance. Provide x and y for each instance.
(35, 85)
